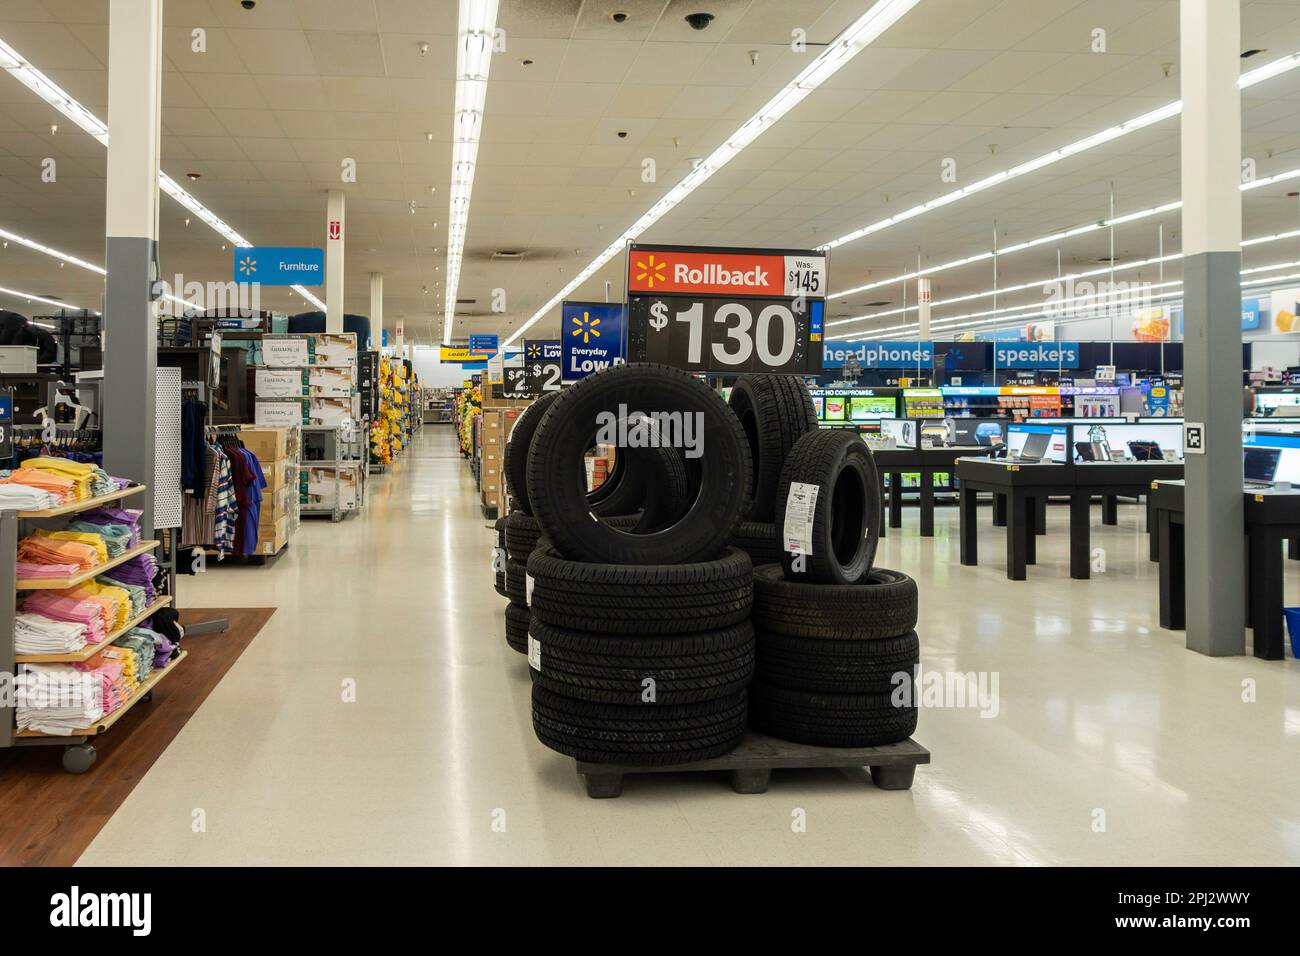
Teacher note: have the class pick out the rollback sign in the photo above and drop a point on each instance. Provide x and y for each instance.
(726, 310)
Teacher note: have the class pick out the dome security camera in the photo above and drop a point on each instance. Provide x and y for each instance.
(619, 16)
(248, 4)
(699, 21)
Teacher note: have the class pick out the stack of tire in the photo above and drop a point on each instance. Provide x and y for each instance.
(640, 645)
(836, 638)
(499, 557)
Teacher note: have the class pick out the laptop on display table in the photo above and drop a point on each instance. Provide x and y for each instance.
(1260, 465)
(1035, 447)
(1145, 451)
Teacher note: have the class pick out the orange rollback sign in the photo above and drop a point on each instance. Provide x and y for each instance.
(668, 271)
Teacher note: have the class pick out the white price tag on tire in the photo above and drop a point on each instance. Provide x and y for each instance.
(534, 653)
(528, 589)
(800, 511)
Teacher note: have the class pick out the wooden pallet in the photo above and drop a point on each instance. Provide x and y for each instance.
(750, 765)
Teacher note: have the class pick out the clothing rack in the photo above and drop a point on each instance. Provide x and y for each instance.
(199, 390)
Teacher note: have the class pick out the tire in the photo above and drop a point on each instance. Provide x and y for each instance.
(613, 668)
(760, 541)
(516, 582)
(643, 734)
(500, 576)
(846, 514)
(641, 599)
(521, 535)
(718, 492)
(655, 486)
(774, 411)
(517, 627)
(835, 667)
(885, 605)
(520, 439)
(830, 720)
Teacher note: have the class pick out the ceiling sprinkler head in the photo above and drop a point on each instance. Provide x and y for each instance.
(424, 49)
(753, 58)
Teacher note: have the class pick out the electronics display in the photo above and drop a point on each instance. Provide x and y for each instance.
(819, 406)
(1054, 441)
(835, 409)
(866, 408)
(901, 430)
(1035, 448)
(1259, 464)
(1145, 451)
(1139, 441)
(923, 403)
(1288, 465)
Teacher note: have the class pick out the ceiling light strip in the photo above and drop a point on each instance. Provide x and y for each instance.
(54, 302)
(857, 37)
(1168, 111)
(478, 20)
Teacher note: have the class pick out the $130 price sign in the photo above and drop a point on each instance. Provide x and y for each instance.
(726, 311)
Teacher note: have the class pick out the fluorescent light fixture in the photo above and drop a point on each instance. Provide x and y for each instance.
(477, 24)
(857, 37)
(54, 302)
(50, 251)
(1169, 110)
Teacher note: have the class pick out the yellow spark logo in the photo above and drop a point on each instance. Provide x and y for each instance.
(586, 327)
(534, 351)
(651, 272)
(247, 265)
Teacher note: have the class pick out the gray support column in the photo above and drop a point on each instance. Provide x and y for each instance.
(131, 242)
(335, 236)
(1211, 170)
(377, 308)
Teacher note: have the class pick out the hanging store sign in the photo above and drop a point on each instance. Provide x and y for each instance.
(542, 361)
(591, 339)
(279, 265)
(483, 344)
(458, 355)
(726, 310)
(1036, 355)
(878, 354)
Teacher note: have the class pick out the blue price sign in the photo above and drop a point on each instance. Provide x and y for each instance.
(592, 337)
(485, 344)
(279, 265)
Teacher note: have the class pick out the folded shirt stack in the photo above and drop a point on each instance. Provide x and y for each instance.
(139, 571)
(108, 668)
(63, 547)
(117, 537)
(57, 606)
(79, 473)
(140, 642)
(57, 699)
(16, 497)
(37, 634)
(108, 515)
(139, 600)
(163, 650)
(61, 488)
(27, 570)
(115, 600)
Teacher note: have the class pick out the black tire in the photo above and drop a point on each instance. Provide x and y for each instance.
(499, 555)
(718, 494)
(846, 515)
(774, 411)
(643, 734)
(761, 541)
(517, 618)
(516, 582)
(522, 533)
(656, 599)
(655, 487)
(835, 667)
(515, 464)
(614, 668)
(830, 720)
(885, 605)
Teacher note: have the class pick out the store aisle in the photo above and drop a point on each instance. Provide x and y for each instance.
(1111, 744)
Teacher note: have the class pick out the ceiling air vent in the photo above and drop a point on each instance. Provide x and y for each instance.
(510, 254)
(877, 304)
(1249, 53)
(466, 301)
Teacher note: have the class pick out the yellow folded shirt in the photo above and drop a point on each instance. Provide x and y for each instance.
(80, 472)
(120, 598)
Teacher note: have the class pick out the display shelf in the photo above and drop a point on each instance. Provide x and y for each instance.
(58, 584)
(101, 725)
(91, 650)
(75, 506)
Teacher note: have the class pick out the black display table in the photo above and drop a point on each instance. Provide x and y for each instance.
(927, 462)
(1271, 517)
(1026, 486)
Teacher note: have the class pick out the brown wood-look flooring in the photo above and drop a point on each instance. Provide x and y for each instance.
(49, 817)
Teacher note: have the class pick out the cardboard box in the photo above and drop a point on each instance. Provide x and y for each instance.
(320, 488)
(268, 444)
(280, 383)
(331, 382)
(332, 411)
(279, 503)
(333, 348)
(282, 412)
(286, 351)
(272, 540)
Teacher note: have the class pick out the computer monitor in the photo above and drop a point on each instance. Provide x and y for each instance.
(1035, 446)
(1260, 464)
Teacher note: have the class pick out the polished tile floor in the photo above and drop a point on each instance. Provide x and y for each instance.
(1111, 743)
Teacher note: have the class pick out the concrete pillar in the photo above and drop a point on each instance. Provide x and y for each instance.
(1210, 32)
(131, 243)
(335, 236)
(377, 309)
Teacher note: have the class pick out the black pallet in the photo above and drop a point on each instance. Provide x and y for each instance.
(751, 764)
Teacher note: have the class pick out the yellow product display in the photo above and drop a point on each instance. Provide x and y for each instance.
(76, 471)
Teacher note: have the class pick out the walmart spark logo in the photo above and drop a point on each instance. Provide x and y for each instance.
(534, 351)
(247, 265)
(586, 327)
(651, 272)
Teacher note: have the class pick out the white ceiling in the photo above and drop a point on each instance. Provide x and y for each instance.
(288, 90)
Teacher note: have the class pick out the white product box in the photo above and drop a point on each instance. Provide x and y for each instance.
(321, 488)
(282, 412)
(332, 411)
(18, 359)
(332, 381)
(333, 348)
(286, 351)
(281, 383)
